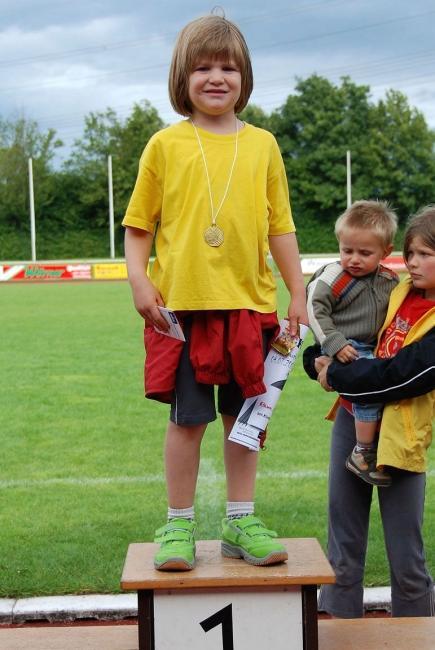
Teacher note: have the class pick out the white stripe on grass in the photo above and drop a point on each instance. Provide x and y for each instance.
(207, 476)
(210, 484)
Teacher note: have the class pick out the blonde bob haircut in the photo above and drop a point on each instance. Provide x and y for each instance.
(376, 216)
(209, 38)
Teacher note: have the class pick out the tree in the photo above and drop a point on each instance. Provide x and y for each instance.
(402, 161)
(392, 158)
(314, 128)
(391, 144)
(19, 141)
(106, 134)
(256, 116)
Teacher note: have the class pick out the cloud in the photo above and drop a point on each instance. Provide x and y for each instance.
(60, 60)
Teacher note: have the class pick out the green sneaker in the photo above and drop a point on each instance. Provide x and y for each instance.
(177, 545)
(248, 538)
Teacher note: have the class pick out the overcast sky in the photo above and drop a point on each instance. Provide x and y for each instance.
(61, 59)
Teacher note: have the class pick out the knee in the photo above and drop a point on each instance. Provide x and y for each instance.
(348, 563)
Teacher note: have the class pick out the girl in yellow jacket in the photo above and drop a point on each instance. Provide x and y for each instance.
(406, 429)
(405, 435)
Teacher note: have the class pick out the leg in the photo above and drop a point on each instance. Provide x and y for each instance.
(365, 432)
(192, 408)
(402, 507)
(145, 619)
(309, 617)
(363, 459)
(240, 462)
(176, 537)
(349, 511)
(245, 536)
(182, 454)
(240, 466)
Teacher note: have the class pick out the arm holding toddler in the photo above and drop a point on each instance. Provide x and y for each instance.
(408, 374)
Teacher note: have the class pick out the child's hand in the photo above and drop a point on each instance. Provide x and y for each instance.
(321, 362)
(297, 313)
(321, 365)
(322, 378)
(347, 354)
(146, 300)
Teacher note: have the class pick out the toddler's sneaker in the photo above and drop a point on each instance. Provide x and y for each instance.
(248, 538)
(177, 545)
(363, 464)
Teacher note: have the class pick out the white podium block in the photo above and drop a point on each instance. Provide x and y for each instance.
(227, 604)
(218, 620)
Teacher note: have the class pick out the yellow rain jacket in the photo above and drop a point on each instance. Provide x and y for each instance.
(406, 427)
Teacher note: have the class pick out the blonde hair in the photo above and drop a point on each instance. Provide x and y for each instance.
(421, 225)
(376, 216)
(209, 37)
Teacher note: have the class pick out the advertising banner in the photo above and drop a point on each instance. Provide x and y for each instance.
(27, 272)
(115, 271)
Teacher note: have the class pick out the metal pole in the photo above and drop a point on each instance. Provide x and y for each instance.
(32, 212)
(349, 179)
(111, 215)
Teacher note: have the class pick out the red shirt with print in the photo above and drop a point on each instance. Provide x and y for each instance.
(410, 311)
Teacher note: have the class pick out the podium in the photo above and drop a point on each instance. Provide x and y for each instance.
(227, 604)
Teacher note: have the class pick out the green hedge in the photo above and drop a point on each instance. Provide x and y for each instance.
(87, 244)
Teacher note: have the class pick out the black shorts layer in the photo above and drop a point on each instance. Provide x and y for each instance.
(194, 403)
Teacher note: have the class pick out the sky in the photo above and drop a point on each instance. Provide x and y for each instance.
(61, 60)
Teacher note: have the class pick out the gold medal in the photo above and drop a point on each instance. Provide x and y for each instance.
(214, 235)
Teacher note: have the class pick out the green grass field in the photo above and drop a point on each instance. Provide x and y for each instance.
(82, 470)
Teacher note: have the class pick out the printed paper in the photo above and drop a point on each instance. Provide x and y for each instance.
(256, 411)
(175, 330)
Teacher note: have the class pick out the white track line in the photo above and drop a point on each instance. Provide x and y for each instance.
(205, 476)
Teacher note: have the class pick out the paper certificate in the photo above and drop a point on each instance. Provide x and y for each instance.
(175, 330)
(256, 411)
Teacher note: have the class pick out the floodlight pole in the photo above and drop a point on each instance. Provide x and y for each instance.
(111, 213)
(32, 211)
(349, 179)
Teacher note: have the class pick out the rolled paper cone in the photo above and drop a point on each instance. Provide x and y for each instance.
(256, 411)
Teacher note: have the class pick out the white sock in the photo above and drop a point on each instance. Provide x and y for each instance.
(183, 513)
(236, 509)
(364, 446)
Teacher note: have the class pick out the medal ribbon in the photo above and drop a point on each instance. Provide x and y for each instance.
(213, 213)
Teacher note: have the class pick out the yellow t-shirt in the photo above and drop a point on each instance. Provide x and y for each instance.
(171, 199)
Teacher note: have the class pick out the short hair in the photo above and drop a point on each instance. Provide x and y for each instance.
(376, 216)
(208, 37)
(421, 225)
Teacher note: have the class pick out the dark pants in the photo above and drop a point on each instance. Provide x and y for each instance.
(401, 508)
